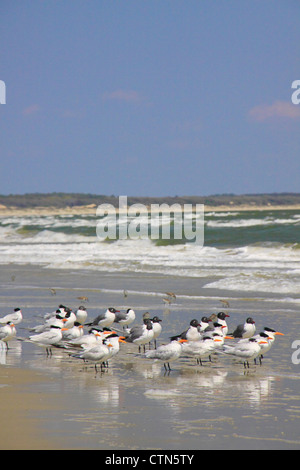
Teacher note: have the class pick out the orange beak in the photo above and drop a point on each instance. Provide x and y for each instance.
(183, 341)
(278, 333)
(121, 339)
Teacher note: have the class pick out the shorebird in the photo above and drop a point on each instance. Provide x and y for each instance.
(88, 340)
(202, 348)
(69, 334)
(125, 318)
(167, 352)
(157, 329)
(104, 319)
(191, 334)
(245, 350)
(246, 330)
(97, 353)
(16, 317)
(47, 339)
(81, 314)
(141, 334)
(7, 332)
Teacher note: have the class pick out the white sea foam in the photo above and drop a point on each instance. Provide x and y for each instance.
(61, 243)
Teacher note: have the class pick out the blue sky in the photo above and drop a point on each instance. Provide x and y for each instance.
(149, 97)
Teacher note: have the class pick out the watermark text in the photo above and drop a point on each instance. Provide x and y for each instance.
(156, 222)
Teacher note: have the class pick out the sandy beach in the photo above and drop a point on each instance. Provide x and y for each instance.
(57, 403)
(91, 209)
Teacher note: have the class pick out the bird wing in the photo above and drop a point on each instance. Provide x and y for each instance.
(238, 332)
(120, 316)
(135, 333)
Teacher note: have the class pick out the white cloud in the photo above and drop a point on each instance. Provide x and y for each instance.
(128, 96)
(279, 109)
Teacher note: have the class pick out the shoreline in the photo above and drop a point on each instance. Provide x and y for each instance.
(57, 404)
(88, 210)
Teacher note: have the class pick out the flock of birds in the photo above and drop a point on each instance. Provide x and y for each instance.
(64, 328)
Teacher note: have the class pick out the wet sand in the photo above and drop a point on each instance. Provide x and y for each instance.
(20, 406)
(60, 403)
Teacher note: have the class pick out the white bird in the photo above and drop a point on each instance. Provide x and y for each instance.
(7, 332)
(58, 321)
(48, 338)
(217, 328)
(157, 328)
(221, 319)
(246, 330)
(88, 340)
(96, 354)
(191, 334)
(167, 352)
(62, 310)
(69, 334)
(268, 334)
(246, 350)
(69, 319)
(81, 314)
(141, 334)
(115, 341)
(125, 319)
(105, 319)
(204, 324)
(202, 348)
(16, 317)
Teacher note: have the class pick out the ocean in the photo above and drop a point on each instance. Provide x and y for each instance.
(250, 251)
(249, 265)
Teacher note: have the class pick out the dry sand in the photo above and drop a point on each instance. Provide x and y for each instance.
(91, 209)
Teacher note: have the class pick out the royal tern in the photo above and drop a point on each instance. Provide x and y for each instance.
(270, 333)
(202, 348)
(7, 332)
(167, 352)
(69, 334)
(246, 330)
(217, 328)
(204, 324)
(115, 341)
(16, 317)
(81, 314)
(69, 319)
(141, 334)
(104, 319)
(62, 310)
(58, 321)
(90, 339)
(47, 339)
(98, 353)
(191, 334)
(125, 318)
(246, 350)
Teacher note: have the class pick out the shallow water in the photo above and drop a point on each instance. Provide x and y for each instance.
(134, 404)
